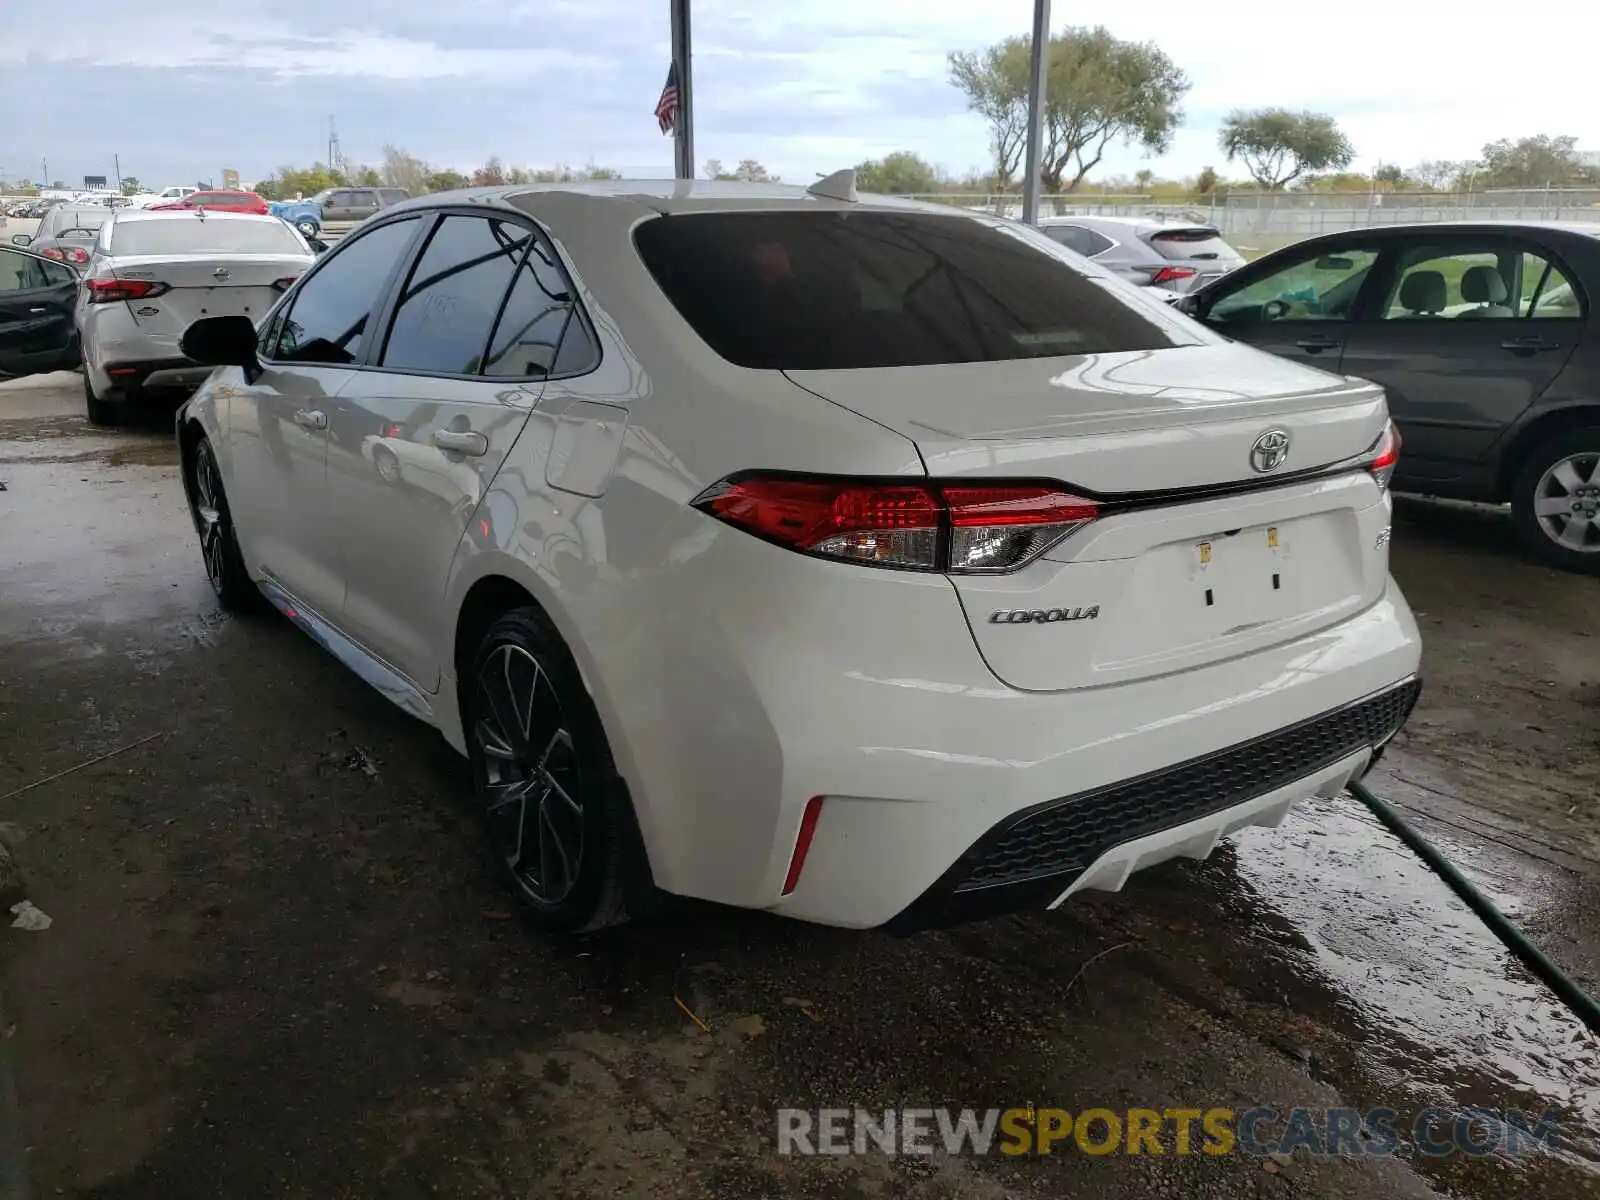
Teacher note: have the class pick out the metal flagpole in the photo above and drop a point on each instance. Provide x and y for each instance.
(683, 56)
(1038, 68)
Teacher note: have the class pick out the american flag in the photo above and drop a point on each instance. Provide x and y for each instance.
(667, 106)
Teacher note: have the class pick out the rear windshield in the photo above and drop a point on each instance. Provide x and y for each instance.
(202, 237)
(827, 290)
(63, 220)
(1184, 245)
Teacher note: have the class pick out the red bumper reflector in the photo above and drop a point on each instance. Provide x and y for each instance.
(808, 829)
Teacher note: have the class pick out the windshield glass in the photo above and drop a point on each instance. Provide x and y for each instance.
(204, 237)
(791, 290)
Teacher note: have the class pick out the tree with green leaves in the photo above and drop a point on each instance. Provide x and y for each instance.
(1099, 91)
(1278, 146)
(447, 181)
(899, 174)
(365, 176)
(131, 186)
(1533, 162)
(1206, 182)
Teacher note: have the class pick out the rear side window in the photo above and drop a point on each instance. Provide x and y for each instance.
(1075, 237)
(827, 290)
(195, 236)
(1186, 245)
(444, 315)
(528, 338)
(333, 308)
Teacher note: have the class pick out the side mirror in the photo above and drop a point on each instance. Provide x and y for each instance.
(222, 342)
(21, 239)
(318, 246)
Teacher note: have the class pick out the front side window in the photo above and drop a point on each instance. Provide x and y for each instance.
(1323, 287)
(449, 304)
(333, 308)
(786, 290)
(24, 273)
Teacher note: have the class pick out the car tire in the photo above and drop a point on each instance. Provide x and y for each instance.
(308, 228)
(100, 412)
(546, 787)
(1574, 453)
(388, 466)
(219, 541)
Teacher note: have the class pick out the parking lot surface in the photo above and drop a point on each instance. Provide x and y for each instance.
(280, 964)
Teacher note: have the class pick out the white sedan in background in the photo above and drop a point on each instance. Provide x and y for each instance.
(152, 274)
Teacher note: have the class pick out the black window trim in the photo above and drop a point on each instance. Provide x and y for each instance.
(391, 299)
(383, 311)
(380, 306)
(1519, 241)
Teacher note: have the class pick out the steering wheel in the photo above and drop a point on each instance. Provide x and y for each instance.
(1274, 310)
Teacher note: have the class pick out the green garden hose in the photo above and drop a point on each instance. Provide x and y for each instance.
(1583, 1005)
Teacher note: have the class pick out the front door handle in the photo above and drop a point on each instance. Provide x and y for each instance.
(1317, 345)
(311, 418)
(462, 441)
(1528, 345)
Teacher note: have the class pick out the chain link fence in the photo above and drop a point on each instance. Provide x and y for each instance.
(1260, 221)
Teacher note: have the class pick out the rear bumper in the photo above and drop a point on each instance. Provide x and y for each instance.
(1038, 857)
(175, 374)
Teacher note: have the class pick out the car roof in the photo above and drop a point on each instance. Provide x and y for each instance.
(667, 196)
(1592, 229)
(1139, 223)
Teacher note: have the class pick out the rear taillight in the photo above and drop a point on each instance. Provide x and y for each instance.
(1385, 454)
(963, 528)
(108, 291)
(1170, 274)
(284, 284)
(52, 252)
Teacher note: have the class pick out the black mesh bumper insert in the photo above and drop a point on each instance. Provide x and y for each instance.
(1063, 837)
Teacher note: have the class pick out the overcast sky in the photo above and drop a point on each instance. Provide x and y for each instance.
(181, 89)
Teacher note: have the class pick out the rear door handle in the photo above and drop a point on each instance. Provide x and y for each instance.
(310, 418)
(1315, 345)
(1529, 345)
(462, 441)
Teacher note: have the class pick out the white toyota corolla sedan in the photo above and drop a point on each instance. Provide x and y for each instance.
(869, 562)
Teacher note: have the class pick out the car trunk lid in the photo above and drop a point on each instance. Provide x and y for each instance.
(205, 285)
(1206, 546)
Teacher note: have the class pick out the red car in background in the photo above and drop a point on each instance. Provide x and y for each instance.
(229, 201)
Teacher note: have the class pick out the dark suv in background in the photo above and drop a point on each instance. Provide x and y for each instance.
(357, 203)
(1484, 336)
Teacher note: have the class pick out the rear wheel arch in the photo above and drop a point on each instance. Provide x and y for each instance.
(1535, 433)
(488, 602)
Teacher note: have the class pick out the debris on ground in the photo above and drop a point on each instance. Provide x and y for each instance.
(28, 917)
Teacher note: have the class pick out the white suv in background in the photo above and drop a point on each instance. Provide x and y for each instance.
(868, 562)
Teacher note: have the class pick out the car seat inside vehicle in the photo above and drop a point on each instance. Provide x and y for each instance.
(1422, 294)
(1485, 287)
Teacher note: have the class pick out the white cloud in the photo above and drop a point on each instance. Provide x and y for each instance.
(808, 86)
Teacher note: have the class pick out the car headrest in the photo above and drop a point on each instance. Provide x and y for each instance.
(1423, 291)
(1483, 285)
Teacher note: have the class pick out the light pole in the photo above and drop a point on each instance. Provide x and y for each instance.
(683, 58)
(1038, 68)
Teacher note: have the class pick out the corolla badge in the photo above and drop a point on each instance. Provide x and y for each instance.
(1042, 616)
(1271, 451)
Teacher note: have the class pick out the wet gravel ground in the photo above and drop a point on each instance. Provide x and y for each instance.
(280, 964)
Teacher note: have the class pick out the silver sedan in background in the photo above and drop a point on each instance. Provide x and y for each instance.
(1175, 255)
